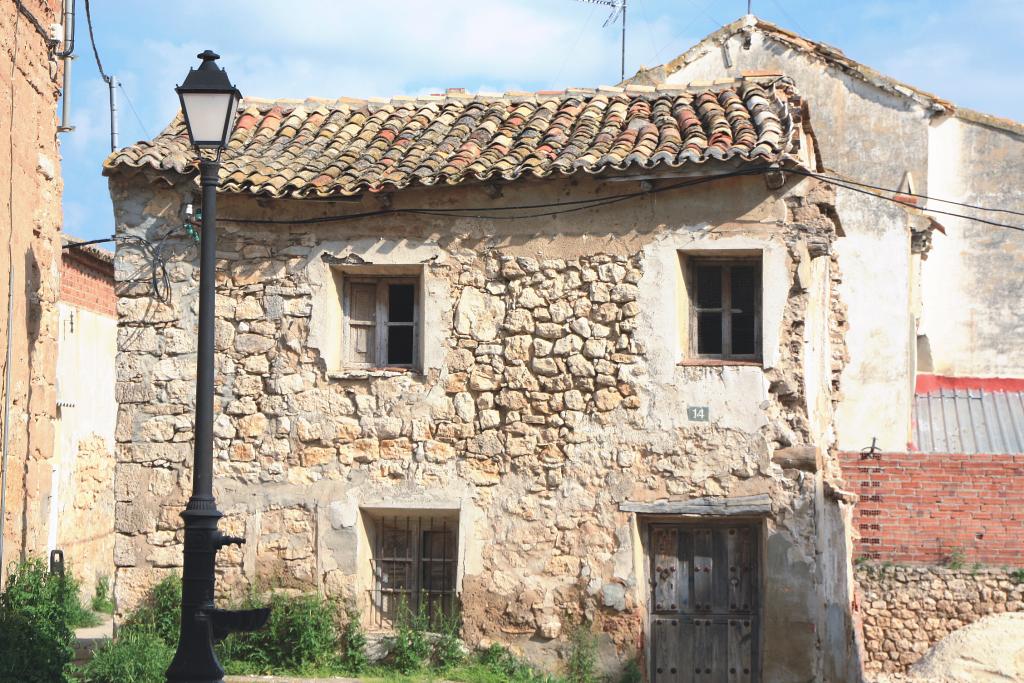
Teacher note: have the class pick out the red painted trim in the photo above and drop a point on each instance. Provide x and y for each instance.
(928, 383)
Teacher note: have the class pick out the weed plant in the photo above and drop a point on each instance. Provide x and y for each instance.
(301, 637)
(412, 649)
(353, 643)
(38, 612)
(101, 600)
(137, 656)
(582, 659)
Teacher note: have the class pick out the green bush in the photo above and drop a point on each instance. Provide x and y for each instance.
(448, 646)
(411, 650)
(631, 673)
(582, 659)
(160, 614)
(137, 656)
(507, 668)
(300, 636)
(353, 644)
(101, 600)
(38, 611)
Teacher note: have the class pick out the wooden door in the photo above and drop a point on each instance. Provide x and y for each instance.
(704, 603)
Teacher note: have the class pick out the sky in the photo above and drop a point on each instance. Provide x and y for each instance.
(966, 51)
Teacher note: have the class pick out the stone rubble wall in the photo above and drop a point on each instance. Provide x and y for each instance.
(907, 609)
(546, 400)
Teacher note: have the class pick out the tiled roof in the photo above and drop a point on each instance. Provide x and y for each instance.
(344, 147)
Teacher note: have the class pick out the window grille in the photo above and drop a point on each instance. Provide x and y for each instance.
(414, 568)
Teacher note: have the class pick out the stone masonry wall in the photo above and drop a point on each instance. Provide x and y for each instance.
(30, 218)
(551, 392)
(908, 609)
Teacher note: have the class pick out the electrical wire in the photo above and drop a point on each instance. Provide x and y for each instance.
(92, 39)
(131, 106)
(558, 208)
(855, 188)
(920, 196)
(466, 212)
(155, 262)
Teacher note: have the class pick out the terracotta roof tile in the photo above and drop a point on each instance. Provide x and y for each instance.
(345, 146)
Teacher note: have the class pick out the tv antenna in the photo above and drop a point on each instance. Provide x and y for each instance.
(618, 10)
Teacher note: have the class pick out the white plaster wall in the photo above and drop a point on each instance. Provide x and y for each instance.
(87, 343)
(876, 137)
(971, 280)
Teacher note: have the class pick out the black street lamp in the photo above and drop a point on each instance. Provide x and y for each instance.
(210, 104)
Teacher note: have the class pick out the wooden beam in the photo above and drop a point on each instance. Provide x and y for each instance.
(739, 505)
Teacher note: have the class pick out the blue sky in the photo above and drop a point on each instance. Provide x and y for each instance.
(967, 51)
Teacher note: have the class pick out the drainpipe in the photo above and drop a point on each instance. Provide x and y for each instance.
(7, 415)
(67, 54)
(112, 84)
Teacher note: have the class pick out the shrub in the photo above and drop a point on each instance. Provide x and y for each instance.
(160, 614)
(353, 644)
(582, 657)
(301, 634)
(507, 668)
(631, 673)
(412, 646)
(101, 601)
(38, 611)
(448, 650)
(137, 656)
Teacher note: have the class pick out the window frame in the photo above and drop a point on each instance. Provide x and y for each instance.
(385, 597)
(381, 325)
(726, 263)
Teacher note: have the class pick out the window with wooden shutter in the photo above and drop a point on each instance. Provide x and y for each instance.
(381, 322)
(725, 308)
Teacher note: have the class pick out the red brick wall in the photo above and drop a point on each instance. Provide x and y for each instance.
(87, 282)
(928, 507)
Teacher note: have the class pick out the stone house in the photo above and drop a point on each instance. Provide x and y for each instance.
(30, 219)
(538, 357)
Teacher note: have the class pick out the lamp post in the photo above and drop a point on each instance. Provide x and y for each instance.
(209, 103)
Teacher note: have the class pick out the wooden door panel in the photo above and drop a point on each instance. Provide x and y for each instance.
(703, 586)
(703, 567)
(739, 561)
(669, 577)
(740, 646)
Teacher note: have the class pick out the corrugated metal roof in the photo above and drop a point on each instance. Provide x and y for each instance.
(948, 420)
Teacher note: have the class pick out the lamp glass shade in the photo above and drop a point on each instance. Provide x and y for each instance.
(209, 116)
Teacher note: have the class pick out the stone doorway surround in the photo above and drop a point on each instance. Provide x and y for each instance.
(681, 631)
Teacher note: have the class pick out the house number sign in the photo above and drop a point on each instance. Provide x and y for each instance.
(698, 413)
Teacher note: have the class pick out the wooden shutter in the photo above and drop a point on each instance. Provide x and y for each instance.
(361, 324)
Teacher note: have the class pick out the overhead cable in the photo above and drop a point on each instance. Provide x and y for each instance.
(488, 212)
(92, 39)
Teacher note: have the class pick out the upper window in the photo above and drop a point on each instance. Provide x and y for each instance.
(381, 322)
(725, 308)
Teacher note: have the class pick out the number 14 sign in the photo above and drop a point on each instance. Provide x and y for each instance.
(698, 413)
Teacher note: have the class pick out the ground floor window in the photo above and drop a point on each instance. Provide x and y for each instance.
(414, 567)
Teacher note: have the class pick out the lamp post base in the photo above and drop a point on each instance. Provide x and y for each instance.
(195, 660)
